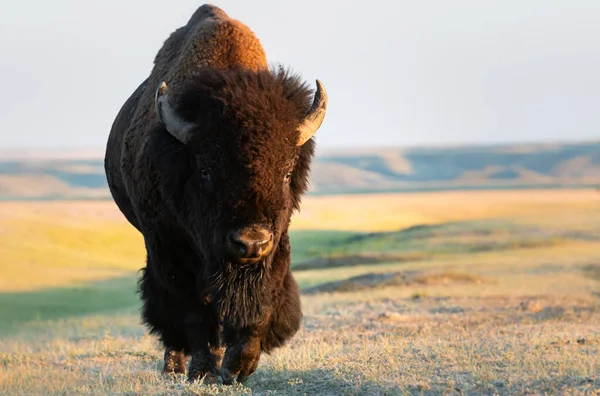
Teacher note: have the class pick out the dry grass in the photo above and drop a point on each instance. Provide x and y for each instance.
(473, 339)
(507, 319)
(388, 212)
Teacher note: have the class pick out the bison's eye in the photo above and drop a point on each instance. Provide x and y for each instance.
(287, 177)
(204, 173)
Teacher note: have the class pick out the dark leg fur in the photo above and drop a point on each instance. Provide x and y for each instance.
(241, 359)
(184, 328)
(162, 313)
(204, 363)
(242, 355)
(286, 318)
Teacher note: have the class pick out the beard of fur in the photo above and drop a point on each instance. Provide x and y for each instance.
(239, 294)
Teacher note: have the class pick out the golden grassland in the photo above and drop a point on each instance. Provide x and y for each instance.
(56, 243)
(506, 299)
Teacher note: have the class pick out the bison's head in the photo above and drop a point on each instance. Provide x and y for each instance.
(234, 149)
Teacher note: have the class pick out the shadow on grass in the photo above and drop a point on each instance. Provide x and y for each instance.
(323, 381)
(329, 249)
(317, 381)
(19, 308)
(592, 270)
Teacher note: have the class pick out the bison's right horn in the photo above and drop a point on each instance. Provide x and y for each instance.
(316, 114)
(178, 127)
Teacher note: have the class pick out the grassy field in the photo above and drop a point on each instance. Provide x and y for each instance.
(439, 293)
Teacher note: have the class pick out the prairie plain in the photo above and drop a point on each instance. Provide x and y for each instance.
(476, 292)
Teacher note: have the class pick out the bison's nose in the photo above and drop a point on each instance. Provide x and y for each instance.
(248, 245)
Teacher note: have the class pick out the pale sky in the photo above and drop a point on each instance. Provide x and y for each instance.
(398, 73)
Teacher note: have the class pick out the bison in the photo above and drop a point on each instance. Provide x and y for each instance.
(208, 159)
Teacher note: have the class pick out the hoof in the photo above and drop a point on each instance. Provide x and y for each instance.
(228, 377)
(212, 379)
(205, 378)
(233, 379)
(203, 367)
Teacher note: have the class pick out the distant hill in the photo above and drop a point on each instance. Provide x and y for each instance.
(68, 174)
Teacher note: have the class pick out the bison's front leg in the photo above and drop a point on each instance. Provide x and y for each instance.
(241, 359)
(203, 364)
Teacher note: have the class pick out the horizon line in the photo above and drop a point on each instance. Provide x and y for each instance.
(89, 152)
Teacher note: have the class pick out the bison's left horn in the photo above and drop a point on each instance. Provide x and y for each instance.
(173, 123)
(315, 115)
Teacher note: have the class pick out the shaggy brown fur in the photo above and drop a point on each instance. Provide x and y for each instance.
(240, 168)
(218, 42)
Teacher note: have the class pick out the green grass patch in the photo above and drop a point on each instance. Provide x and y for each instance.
(19, 308)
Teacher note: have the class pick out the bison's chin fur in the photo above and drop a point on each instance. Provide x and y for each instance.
(239, 293)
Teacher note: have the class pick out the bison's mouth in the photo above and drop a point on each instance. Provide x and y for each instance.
(248, 261)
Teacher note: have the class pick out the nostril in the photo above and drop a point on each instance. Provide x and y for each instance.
(242, 249)
(238, 245)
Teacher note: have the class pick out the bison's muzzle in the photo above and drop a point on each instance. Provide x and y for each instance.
(249, 245)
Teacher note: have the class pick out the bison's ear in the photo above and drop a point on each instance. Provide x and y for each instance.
(173, 123)
(316, 114)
